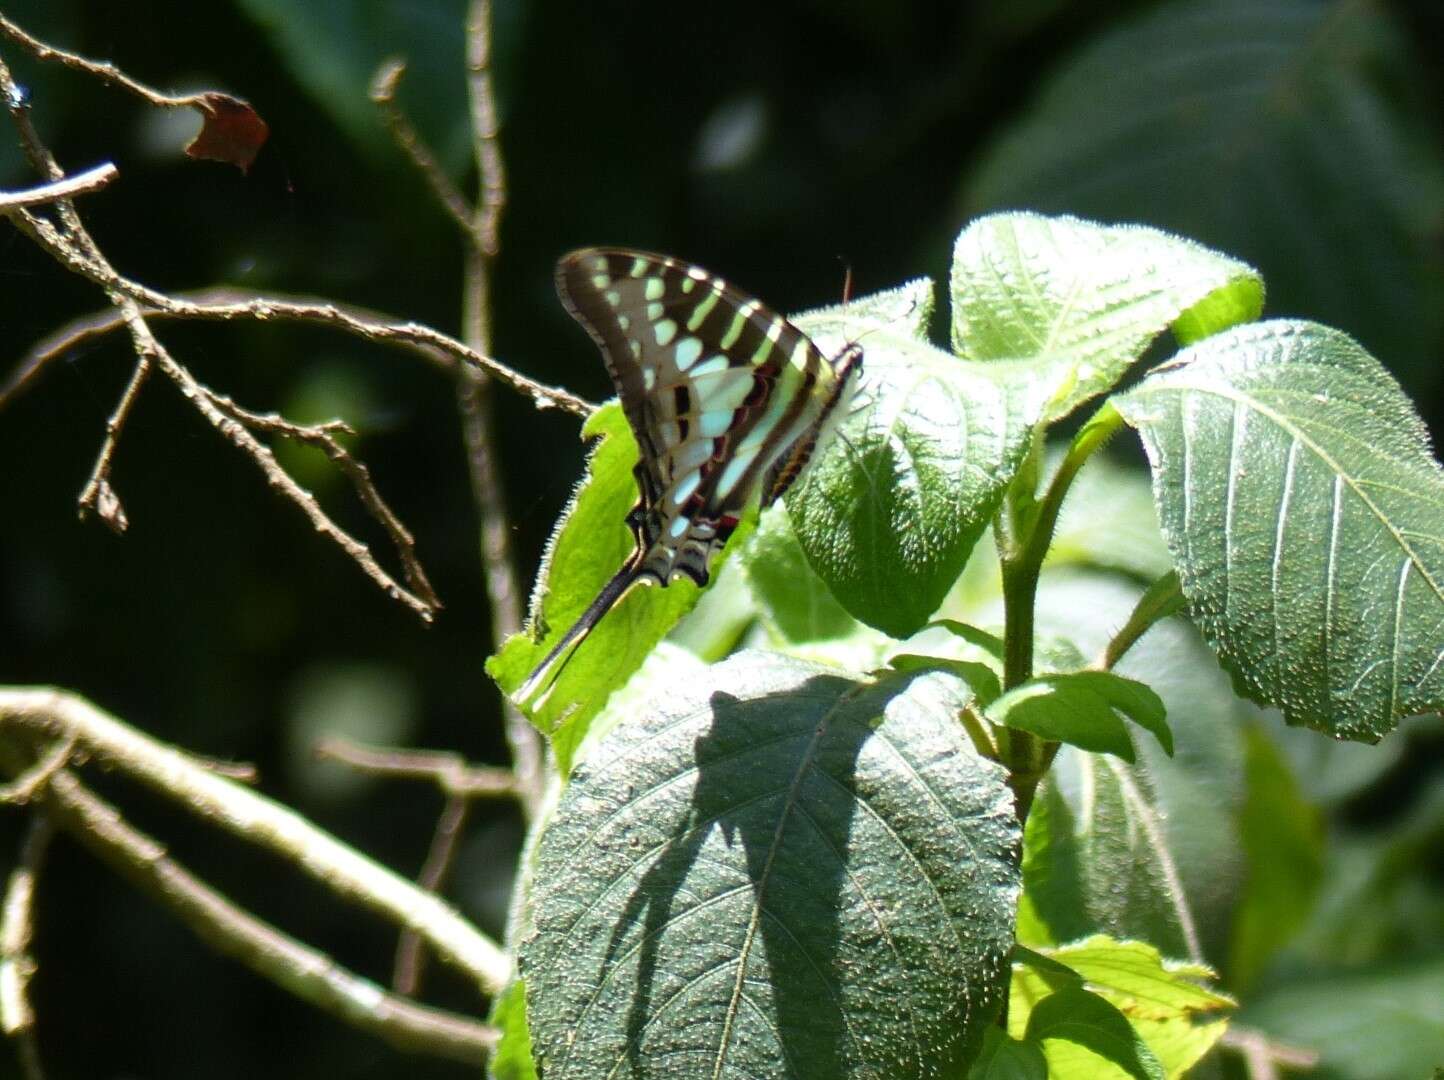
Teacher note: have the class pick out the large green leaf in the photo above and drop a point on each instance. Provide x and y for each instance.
(1305, 513)
(1083, 300)
(1281, 130)
(774, 871)
(891, 512)
(1096, 857)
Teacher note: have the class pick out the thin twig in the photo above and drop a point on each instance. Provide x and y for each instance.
(105, 71)
(410, 960)
(1262, 1056)
(462, 783)
(78, 184)
(232, 931)
(383, 95)
(58, 715)
(17, 928)
(99, 496)
(237, 433)
(26, 786)
(226, 298)
(266, 308)
(323, 437)
(446, 770)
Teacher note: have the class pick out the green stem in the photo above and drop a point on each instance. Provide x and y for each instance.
(1025, 537)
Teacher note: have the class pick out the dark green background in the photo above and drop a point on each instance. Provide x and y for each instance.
(769, 142)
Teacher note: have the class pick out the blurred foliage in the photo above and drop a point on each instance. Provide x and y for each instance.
(1300, 135)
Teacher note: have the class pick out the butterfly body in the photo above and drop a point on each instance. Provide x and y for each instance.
(727, 400)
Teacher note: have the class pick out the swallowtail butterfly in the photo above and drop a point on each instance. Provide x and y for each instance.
(727, 400)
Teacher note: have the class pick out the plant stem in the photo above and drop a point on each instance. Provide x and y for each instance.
(1026, 532)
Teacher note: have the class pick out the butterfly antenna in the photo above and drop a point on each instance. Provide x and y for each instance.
(545, 675)
(846, 280)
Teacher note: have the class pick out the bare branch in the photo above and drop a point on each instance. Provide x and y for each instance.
(236, 433)
(231, 131)
(226, 298)
(98, 496)
(59, 715)
(234, 932)
(383, 95)
(79, 184)
(485, 129)
(264, 308)
(323, 437)
(17, 966)
(103, 70)
(447, 771)
(503, 585)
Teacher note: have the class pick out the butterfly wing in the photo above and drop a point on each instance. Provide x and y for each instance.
(726, 399)
(717, 389)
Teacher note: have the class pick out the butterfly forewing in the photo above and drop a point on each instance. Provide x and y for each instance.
(717, 389)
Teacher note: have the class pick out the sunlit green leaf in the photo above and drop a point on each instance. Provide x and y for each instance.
(1083, 300)
(590, 543)
(1082, 708)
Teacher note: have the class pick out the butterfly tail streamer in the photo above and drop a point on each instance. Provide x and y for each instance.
(548, 671)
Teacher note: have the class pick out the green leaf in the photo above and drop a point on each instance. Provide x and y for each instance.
(981, 678)
(1081, 708)
(1083, 300)
(1305, 512)
(1382, 1024)
(1262, 127)
(1006, 1058)
(1139, 980)
(1283, 841)
(773, 866)
(590, 543)
(890, 512)
(1165, 1002)
(511, 1060)
(1083, 1034)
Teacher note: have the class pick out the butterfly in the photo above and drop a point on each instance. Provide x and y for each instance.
(728, 402)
